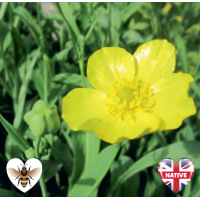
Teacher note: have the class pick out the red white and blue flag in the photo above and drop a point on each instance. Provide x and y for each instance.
(176, 175)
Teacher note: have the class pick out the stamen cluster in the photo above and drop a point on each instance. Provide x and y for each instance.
(128, 95)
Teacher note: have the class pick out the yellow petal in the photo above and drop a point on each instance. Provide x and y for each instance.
(112, 130)
(108, 65)
(83, 108)
(154, 60)
(172, 101)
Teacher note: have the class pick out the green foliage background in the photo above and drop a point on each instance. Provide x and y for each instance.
(80, 164)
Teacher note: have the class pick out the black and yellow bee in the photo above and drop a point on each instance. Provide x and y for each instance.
(24, 175)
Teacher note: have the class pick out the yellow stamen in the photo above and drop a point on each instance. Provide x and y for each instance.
(128, 95)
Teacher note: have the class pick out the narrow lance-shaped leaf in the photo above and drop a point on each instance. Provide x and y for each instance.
(92, 177)
(65, 11)
(130, 10)
(23, 91)
(182, 52)
(86, 149)
(17, 137)
(91, 28)
(9, 193)
(47, 78)
(30, 22)
(3, 9)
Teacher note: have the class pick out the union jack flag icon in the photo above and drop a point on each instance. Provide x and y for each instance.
(176, 175)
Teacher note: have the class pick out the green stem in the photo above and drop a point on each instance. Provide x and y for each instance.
(37, 147)
(43, 186)
(42, 181)
(81, 63)
(81, 66)
(161, 139)
(46, 77)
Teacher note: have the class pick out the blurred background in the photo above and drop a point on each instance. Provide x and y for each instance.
(67, 33)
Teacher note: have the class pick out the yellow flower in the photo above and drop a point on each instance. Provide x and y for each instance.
(135, 94)
(167, 8)
(179, 18)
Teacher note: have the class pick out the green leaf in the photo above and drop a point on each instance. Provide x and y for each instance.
(92, 177)
(62, 152)
(85, 149)
(23, 90)
(154, 185)
(12, 150)
(141, 25)
(195, 188)
(49, 138)
(5, 32)
(188, 131)
(3, 9)
(16, 136)
(38, 82)
(174, 151)
(161, 138)
(62, 55)
(142, 144)
(182, 52)
(160, 186)
(70, 78)
(30, 22)
(65, 130)
(130, 10)
(187, 190)
(115, 24)
(47, 77)
(150, 187)
(57, 90)
(66, 12)
(153, 20)
(7, 42)
(132, 37)
(9, 193)
(50, 168)
(152, 143)
(91, 29)
(131, 186)
(196, 88)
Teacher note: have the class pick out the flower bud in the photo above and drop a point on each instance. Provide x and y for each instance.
(43, 148)
(30, 153)
(42, 119)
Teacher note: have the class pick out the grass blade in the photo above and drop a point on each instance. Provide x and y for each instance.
(92, 177)
(27, 18)
(19, 140)
(47, 78)
(91, 29)
(9, 193)
(86, 149)
(130, 10)
(23, 91)
(3, 9)
(182, 52)
(66, 12)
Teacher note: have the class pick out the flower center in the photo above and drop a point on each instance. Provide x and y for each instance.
(128, 95)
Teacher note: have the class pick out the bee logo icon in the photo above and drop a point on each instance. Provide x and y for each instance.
(24, 176)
